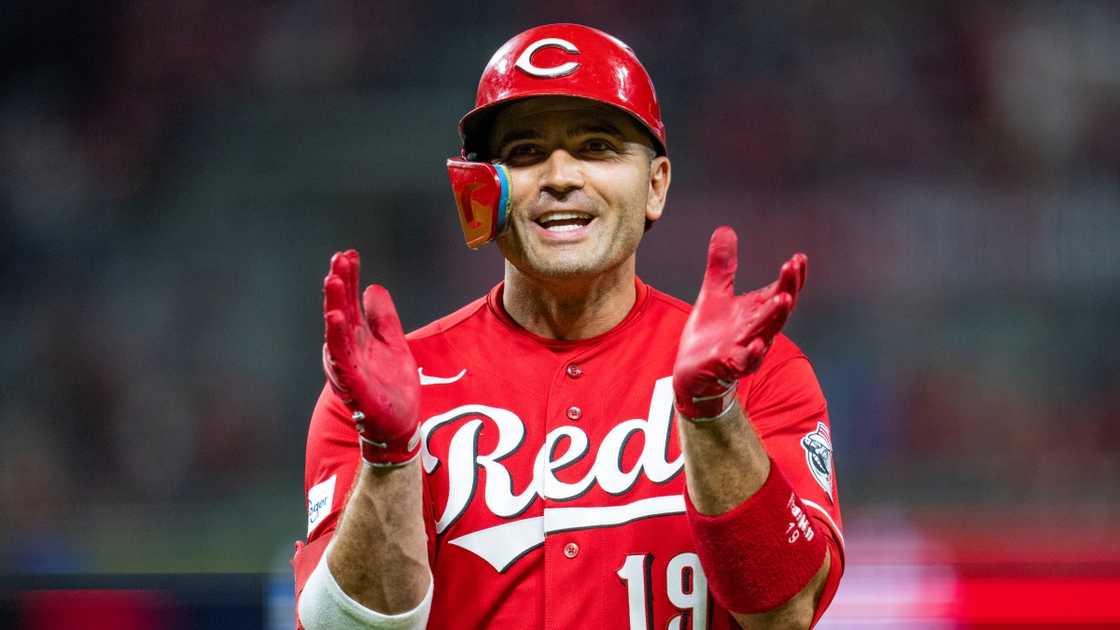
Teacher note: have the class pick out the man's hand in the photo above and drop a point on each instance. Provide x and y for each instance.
(369, 365)
(727, 336)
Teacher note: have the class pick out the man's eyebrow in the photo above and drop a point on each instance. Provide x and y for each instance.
(519, 134)
(576, 130)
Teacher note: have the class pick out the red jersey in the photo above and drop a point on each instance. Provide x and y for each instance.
(553, 475)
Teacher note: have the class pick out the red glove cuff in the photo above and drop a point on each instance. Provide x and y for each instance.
(703, 408)
(761, 553)
(388, 454)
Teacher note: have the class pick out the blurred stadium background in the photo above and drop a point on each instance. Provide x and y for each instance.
(176, 175)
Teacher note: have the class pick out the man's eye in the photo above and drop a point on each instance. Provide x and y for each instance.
(597, 146)
(523, 150)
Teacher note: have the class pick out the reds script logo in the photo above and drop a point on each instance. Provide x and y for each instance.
(501, 545)
(525, 61)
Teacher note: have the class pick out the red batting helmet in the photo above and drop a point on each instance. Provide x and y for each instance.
(563, 60)
(550, 60)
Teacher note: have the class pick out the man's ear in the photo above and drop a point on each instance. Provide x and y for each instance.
(660, 175)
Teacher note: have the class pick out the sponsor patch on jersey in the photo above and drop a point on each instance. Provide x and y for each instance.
(818, 455)
(320, 498)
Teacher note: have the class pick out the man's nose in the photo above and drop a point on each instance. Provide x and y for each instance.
(562, 173)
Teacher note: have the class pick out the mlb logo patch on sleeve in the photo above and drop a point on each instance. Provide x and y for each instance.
(320, 498)
(818, 455)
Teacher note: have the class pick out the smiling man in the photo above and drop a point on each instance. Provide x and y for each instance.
(575, 449)
(605, 182)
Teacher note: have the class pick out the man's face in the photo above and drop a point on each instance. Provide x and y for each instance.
(583, 181)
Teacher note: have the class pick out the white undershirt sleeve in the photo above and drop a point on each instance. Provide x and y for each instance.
(323, 605)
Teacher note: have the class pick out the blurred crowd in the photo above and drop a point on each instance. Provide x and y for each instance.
(177, 174)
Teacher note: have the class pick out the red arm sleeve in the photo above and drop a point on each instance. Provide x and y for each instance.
(788, 411)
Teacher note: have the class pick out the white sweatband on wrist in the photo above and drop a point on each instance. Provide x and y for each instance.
(324, 605)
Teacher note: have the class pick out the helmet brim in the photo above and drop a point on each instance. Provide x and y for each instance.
(475, 125)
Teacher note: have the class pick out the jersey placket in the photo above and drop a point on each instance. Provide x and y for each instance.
(569, 408)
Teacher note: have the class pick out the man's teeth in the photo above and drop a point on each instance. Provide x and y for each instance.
(563, 227)
(564, 221)
(563, 215)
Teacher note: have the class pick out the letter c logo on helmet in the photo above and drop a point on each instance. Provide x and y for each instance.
(587, 64)
(525, 61)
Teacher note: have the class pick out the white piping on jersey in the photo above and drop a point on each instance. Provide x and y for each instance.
(439, 380)
(503, 544)
(828, 517)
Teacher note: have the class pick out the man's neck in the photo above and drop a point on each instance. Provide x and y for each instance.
(576, 308)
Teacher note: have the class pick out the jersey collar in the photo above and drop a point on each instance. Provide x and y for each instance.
(641, 299)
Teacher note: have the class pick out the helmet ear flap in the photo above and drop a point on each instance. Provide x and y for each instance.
(481, 191)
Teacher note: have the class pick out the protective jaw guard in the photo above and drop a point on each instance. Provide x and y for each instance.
(481, 191)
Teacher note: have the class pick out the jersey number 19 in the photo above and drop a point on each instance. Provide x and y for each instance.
(686, 585)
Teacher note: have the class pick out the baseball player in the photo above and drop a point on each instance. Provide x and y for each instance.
(575, 449)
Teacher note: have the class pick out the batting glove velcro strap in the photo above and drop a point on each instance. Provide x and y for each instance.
(389, 454)
(701, 409)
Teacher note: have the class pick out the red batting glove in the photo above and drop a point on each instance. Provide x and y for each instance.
(369, 365)
(727, 336)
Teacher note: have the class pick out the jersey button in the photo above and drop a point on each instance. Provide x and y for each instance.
(574, 413)
(571, 550)
(574, 371)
